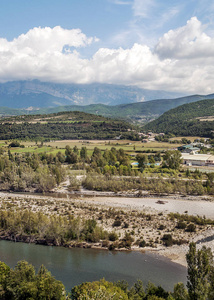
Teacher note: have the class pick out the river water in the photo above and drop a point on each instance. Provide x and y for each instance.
(74, 266)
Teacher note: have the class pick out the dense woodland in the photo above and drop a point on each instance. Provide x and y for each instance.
(186, 120)
(70, 125)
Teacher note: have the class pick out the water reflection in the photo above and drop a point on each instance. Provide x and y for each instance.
(74, 266)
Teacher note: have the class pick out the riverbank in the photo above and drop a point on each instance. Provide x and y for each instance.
(144, 219)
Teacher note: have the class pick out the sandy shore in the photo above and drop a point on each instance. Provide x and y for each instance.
(192, 205)
(202, 206)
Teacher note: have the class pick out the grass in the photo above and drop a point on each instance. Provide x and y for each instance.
(32, 149)
(130, 147)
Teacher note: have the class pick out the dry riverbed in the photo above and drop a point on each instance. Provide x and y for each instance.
(144, 218)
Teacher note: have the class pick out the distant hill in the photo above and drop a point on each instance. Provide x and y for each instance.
(25, 94)
(140, 112)
(62, 126)
(193, 119)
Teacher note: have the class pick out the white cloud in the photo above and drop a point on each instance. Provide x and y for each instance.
(40, 40)
(186, 42)
(183, 60)
(142, 8)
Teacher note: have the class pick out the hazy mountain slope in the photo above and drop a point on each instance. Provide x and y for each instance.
(133, 111)
(23, 94)
(195, 119)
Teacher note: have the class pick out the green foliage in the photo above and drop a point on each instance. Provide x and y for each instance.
(167, 240)
(199, 264)
(142, 160)
(185, 120)
(65, 125)
(14, 144)
(98, 290)
(180, 292)
(23, 283)
(172, 159)
(159, 186)
(54, 230)
(191, 227)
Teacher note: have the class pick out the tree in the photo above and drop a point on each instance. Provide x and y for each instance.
(180, 293)
(4, 272)
(48, 287)
(98, 290)
(75, 150)
(21, 282)
(142, 160)
(137, 291)
(83, 153)
(172, 159)
(199, 263)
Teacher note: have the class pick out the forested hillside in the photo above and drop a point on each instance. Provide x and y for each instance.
(141, 112)
(193, 119)
(67, 125)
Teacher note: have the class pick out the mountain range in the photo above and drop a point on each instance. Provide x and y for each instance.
(36, 94)
(35, 97)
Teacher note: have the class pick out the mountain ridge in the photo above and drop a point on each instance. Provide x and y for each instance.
(23, 94)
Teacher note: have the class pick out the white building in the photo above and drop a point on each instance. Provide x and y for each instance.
(198, 159)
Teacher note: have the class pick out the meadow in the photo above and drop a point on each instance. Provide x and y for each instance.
(130, 147)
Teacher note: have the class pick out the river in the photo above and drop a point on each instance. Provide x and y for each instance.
(74, 266)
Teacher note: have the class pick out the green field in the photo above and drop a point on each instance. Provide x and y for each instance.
(130, 147)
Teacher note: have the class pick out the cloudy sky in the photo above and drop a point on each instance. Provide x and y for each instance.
(153, 44)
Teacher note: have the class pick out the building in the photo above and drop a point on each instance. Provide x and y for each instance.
(188, 149)
(198, 159)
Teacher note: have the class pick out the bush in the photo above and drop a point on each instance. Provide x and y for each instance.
(116, 223)
(191, 227)
(181, 225)
(142, 244)
(161, 227)
(112, 236)
(112, 246)
(126, 225)
(14, 144)
(167, 240)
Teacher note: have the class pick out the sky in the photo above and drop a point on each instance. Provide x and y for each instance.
(153, 44)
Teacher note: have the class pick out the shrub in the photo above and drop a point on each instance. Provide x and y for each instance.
(116, 223)
(167, 240)
(126, 225)
(191, 227)
(112, 236)
(181, 225)
(142, 244)
(161, 227)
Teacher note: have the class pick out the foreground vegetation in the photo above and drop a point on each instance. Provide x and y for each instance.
(23, 283)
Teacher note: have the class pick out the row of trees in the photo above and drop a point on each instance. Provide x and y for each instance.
(55, 230)
(159, 186)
